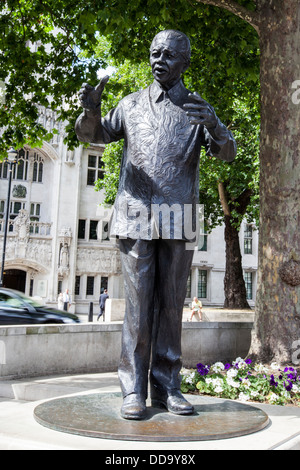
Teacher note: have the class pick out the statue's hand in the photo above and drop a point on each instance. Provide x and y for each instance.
(90, 97)
(200, 112)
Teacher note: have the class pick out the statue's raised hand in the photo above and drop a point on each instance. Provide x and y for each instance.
(200, 112)
(90, 97)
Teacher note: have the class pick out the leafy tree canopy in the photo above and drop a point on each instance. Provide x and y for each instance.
(63, 56)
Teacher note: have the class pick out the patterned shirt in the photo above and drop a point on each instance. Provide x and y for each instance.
(159, 178)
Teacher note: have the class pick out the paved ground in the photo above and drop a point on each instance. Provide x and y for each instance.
(20, 431)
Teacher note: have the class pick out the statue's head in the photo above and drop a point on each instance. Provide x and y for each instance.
(170, 54)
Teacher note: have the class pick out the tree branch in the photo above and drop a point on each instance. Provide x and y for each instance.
(251, 17)
(243, 201)
(223, 199)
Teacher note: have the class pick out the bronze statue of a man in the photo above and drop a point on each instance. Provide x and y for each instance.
(163, 127)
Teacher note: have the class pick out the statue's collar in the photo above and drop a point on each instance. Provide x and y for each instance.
(177, 94)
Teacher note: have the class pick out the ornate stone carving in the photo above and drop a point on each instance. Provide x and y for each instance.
(65, 236)
(70, 157)
(40, 252)
(19, 191)
(22, 231)
(98, 261)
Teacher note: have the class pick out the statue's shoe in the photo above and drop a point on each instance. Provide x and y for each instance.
(173, 402)
(134, 407)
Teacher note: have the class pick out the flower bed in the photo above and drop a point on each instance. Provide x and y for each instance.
(244, 381)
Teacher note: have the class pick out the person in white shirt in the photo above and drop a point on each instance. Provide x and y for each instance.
(66, 300)
(196, 308)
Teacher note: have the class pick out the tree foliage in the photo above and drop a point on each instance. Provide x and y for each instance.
(41, 64)
(63, 57)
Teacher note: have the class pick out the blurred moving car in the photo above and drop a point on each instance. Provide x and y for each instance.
(17, 309)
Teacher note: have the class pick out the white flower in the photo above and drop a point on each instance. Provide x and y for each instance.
(189, 378)
(285, 394)
(245, 382)
(273, 398)
(296, 388)
(260, 368)
(217, 382)
(232, 373)
(243, 397)
(233, 383)
(239, 363)
(274, 366)
(218, 389)
(217, 367)
(253, 393)
(238, 359)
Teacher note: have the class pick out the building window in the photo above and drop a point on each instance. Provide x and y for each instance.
(93, 230)
(90, 285)
(248, 236)
(2, 208)
(104, 283)
(202, 283)
(38, 166)
(248, 276)
(59, 287)
(202, 243)
(81, 229)
(95, 169)
(15, 207)
(105, 231)
(35, 212)
(21, 169)
(77, 285)
(31, 288)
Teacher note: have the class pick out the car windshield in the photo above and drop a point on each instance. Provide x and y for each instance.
(6, 299)
(17, 301)
(29, 300)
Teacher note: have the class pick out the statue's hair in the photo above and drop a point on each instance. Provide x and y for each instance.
(185, 46)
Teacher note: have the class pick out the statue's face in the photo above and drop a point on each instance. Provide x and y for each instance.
(166, 61)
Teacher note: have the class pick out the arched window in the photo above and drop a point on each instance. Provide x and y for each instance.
(20, 171)
(38, 164)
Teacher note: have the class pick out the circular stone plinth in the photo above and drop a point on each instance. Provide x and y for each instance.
(98, 415)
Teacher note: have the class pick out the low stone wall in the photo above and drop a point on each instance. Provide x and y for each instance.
(31, 351)
(209, 342)
(115, 311)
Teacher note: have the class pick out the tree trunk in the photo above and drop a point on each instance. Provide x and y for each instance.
(234, 284)
(277, 323)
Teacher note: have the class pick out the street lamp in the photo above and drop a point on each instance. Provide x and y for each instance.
(11, 159)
